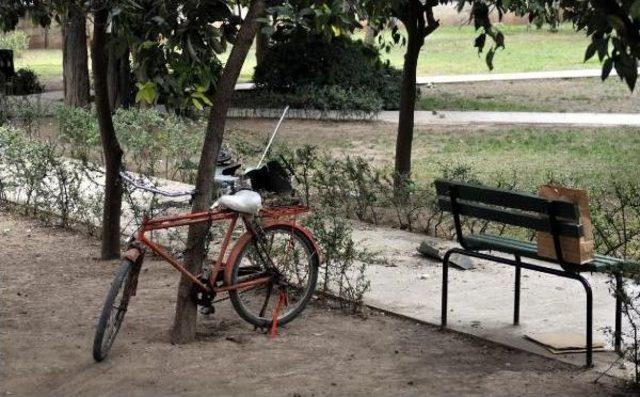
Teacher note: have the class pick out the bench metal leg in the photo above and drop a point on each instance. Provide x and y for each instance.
(516, 298)
(445, 285)
(618, 330)
(587, 289)
(519, 265)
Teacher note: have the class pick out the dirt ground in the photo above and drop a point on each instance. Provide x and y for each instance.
(52, 291)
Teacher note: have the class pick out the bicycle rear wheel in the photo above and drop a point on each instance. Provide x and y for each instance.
(294, 256)
(115, 307)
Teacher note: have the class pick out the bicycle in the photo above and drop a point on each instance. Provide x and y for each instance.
(270, 273)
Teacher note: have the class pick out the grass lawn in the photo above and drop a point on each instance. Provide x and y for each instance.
(530, 154)
(448, 51)
(46, 63)
(448, 101)
(556, 95)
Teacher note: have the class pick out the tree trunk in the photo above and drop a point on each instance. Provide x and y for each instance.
(404, 139)
(75, 59)
(262, 44)
(110, 145)
(118, 73)
(184, 326)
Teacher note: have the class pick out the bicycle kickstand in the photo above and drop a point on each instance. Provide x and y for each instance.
(282, 302)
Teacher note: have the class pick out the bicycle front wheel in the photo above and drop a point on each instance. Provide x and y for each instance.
(115, 307)
(295, 258)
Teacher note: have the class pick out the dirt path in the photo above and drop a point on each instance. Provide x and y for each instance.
(52, 290)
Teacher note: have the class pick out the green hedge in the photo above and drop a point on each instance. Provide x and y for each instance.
(338, 75)
(17, 41)
(24, 82)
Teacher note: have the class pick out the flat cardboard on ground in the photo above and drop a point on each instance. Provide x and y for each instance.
(565, 342)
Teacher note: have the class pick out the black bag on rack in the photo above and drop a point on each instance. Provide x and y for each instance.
(271, 177)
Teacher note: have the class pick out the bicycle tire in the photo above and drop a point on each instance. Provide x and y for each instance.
(106, 330)
(238, 298)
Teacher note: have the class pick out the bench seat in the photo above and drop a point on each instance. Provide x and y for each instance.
(527, 249)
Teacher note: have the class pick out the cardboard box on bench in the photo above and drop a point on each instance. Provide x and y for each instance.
(574, 250)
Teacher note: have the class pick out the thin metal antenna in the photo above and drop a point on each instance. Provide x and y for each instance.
(273, 136)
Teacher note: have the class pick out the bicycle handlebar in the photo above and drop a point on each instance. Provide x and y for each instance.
(152, 189)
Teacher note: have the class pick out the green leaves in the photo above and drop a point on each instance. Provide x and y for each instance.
(147, 92)
(591, 51)
(331, 18)
(498, 42)
(199, 98)
(627, 68)
(606, 68)
(479, 42)
(489, 58)
(176, 53)
(615, 34)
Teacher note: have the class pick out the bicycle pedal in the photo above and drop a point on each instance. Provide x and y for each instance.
(207, 310)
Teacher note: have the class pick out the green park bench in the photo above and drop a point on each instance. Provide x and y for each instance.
(6, 63)
(559, 218)
(7, 69)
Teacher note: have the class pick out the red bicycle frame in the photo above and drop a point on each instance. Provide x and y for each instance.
(273, 215)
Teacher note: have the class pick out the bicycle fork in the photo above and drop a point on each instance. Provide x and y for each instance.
(135, 253)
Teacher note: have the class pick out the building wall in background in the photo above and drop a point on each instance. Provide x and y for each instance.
(40, 37)
(449, 16)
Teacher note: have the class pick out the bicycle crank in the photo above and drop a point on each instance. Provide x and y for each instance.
(204, 299)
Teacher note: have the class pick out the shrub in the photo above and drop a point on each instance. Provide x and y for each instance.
(78, 128)
(342, 73)
(343, 272)
(17, 41)
(157, 143)
(24, 82)
(154, 143)
(314, 97)
(46, 185)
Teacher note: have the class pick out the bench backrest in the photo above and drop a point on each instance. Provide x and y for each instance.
(6, 63)
(559, 218)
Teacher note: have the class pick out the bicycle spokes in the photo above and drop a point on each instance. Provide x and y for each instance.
(286, 258)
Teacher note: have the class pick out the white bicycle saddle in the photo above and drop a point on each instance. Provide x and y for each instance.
(245, 201)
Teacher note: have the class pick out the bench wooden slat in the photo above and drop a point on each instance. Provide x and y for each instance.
(529, 249)
(6, 63)
(506, 198)
(512, 217)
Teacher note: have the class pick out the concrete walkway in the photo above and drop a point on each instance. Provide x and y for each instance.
(471, 78)
(481, 300)
(551, 74)
(452, 117)
(444, 79)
